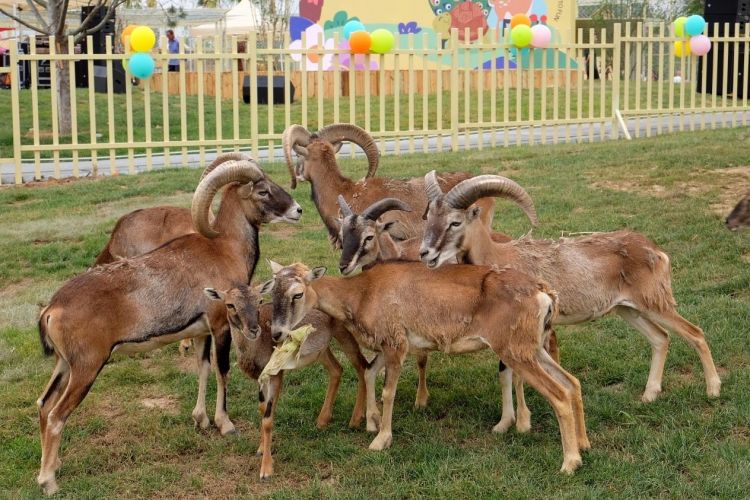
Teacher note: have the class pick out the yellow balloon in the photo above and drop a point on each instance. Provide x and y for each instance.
(681, 49)
(142, 39)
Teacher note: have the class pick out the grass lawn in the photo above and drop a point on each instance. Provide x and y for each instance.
(133, 435)
(520, 106)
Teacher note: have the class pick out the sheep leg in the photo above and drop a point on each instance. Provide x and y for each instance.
(203, 358)
(574, 386)
(394, 357)
(334, 370)
(671, 320)
(560, 399)
(422, 393)
(508, 416)
(266, 428)
(223, 343)
(80, 380)
(551, 346)
(360, 364)
(523, 423)
(373, 414)
(49, 398)
(659, 340)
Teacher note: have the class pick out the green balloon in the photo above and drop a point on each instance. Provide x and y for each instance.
(382, 41)
(521, 35)
(679, 26)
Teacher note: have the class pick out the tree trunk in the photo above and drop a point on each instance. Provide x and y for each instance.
(63, 89)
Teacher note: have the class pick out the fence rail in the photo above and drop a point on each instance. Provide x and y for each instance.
(421, 97)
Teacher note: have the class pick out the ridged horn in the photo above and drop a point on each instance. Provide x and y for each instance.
(374, 211)
(230, 171)
(294, 137)
(233, 156)
(339, 132)
(345, 210)
(431, 186)
(467, 192)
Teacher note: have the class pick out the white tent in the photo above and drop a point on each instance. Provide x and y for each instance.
(242, 18)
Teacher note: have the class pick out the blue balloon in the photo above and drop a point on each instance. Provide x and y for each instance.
(351, 27)
(141, 65)
(695, 25)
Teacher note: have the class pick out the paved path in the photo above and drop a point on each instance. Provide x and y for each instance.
(524, 135)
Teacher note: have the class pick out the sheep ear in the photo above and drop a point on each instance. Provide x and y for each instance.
(315, 273)
(394, 228)
(245, 191)
(214, 294)
(265, 287)
(474, 212)
(275, 266)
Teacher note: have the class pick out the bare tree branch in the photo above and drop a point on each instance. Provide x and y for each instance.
(41, 3)
(89, 18)
(21, 21)
(79, 34)
(37, 14)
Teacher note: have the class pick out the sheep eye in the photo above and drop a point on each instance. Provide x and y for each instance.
(263, 193)
(297, 296)
(369, 238)
(455, 224)
(231, 307)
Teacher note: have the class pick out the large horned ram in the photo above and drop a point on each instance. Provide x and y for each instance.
(143, 230)
(621, 272)
(139, 304)
(398, 307)
(320, 168)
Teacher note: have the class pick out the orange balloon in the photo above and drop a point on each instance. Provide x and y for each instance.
(519, 19)
(126, 34)
(360, 42)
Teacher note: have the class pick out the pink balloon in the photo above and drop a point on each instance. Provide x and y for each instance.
(700, 45)
(540, 36)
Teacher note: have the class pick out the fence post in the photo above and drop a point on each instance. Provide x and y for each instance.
(252, 54)
(15, 111)
(616, 49)
(454, 89)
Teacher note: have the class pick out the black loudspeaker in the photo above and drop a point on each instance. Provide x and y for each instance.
(740, 9)
(277, 91)
(119, 78)
(726, 14)
(99, 39)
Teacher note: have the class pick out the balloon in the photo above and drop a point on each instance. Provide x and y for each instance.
(541, 36)
(126, 33)
(382, 41)
(700, 45)
(125, 62)
(142, 39)
(681, 49)
(695, 25)
(521, 36)
(360, 42)
(141, 65)
(519, 19)
(679, 26)
(352, 27)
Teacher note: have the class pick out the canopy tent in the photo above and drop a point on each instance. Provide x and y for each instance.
(242, 18)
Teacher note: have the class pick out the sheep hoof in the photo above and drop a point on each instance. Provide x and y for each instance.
(571, 464)
(381, 441)
(503, 425)
(650, 394)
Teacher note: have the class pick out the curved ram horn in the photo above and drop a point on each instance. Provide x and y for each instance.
(294, 137)
(469, 191)
(345, 210)
(339, 132)
(374, 211)
(233, 156)
(432, 187)
(230, 171)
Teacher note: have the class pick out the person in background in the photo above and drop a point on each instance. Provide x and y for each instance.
(173, 47)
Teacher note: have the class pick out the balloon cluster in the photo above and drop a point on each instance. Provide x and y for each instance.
(523, 34)
(140, 40)
(361, 41)
(693, 27)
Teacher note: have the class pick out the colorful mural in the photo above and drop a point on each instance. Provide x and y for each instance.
(431, 22)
